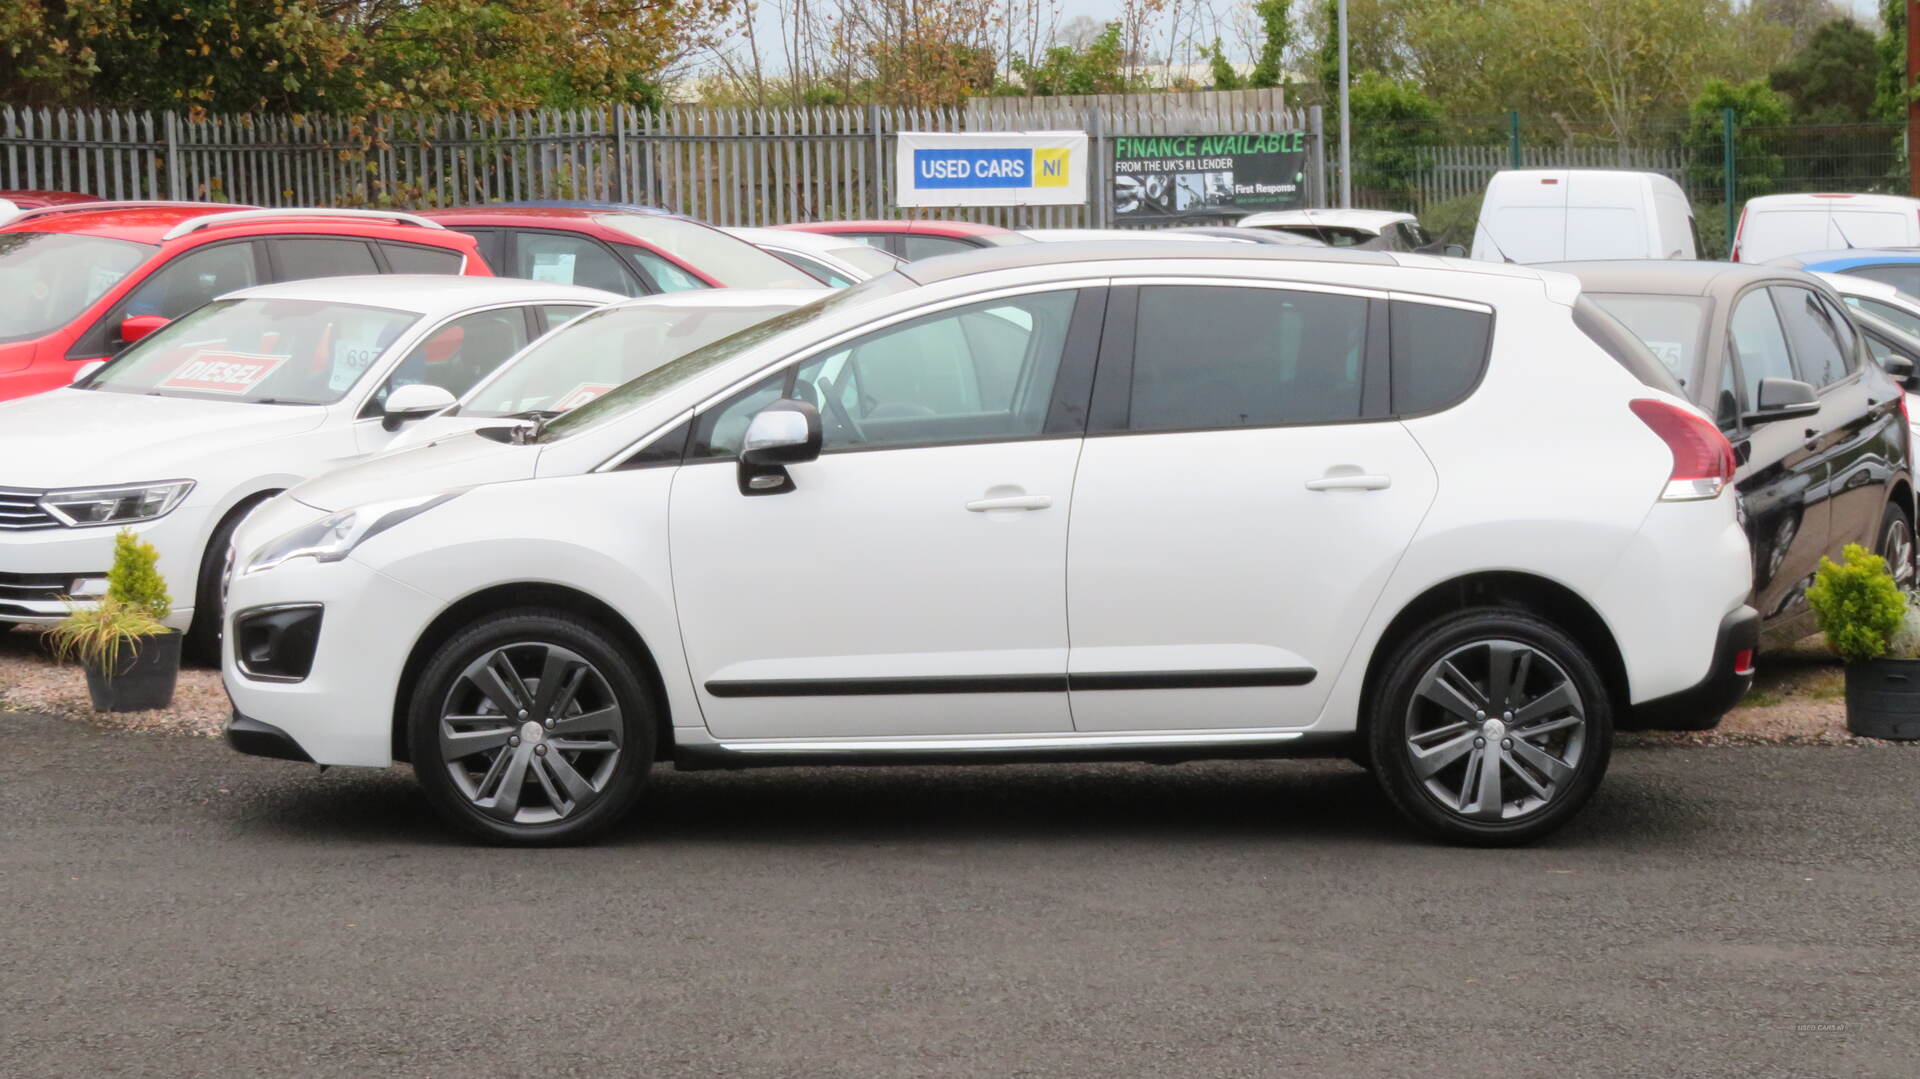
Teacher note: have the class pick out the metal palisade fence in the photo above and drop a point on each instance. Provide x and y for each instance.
(726, 166)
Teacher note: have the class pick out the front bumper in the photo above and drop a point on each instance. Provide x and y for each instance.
(259, 739)
(35, 557)
(1701, 706)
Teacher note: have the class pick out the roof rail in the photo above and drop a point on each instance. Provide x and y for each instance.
(195, 224)
(103, 204)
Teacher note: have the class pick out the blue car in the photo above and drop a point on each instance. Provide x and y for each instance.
(1896, 266)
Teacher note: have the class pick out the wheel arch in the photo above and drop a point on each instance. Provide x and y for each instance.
(504, 597)
(1537, 595)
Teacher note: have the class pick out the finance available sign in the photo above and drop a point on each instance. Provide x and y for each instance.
(995, 168)
(1168, 177)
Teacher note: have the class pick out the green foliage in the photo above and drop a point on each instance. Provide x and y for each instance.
(1452, 221)
(1857, 604)
(1890, 74)
(1392, 122)
(1100, 68)
(1831, 80)
(1219, 68)
(134, 582)
(1710, 222)
(1276, 36)
(1756, 167)
(95, 635)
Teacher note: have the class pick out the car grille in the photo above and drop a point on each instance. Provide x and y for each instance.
(38, 587)
(20, 510)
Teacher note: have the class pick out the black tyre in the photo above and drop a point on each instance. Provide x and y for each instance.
(5, 626)
(202, 644)
(1895, 544)
(1491, 727)
(530, 728)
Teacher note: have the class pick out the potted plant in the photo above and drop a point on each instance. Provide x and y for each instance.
(1875, 630)
(131, 658)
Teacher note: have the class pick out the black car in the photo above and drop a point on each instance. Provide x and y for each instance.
(1815, 422)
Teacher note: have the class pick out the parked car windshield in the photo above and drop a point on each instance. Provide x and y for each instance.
(48, 278)
(652, 384)
(598, 352)
(262, 351)
(1674, 328)
(731, 261)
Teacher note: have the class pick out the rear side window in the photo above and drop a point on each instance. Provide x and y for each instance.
(304, 258)
(1214, 357)
(1904, 278)
(924, 247)
(409, 258)
(1438, 355)
(1899, 316)
(1619, 342)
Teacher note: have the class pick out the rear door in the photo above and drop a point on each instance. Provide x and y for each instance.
(1241, 499)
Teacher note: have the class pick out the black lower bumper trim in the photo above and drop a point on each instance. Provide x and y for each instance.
(1701, 707)
(263, 740)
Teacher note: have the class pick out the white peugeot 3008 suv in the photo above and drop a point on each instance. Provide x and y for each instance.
(1137, 500)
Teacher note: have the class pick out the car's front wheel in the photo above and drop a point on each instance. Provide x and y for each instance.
(1896, 544)
(529, 727)
(1491, 727)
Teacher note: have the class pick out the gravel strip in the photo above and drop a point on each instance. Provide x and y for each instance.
(1797, 700)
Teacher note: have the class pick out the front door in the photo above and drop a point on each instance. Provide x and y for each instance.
(1230, 537)
(913, 579)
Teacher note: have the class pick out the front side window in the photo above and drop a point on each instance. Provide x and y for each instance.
(599, 352)
(570, 260)
(184, 283)
(1822, 349)
(456, 356)
(1759, 344)
(264, 351)
(1210, 357)
(49, 278)
(980, 372)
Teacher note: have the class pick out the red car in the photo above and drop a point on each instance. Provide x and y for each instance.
(83, 281)
(912, 240)
(632, 250)
(33, 200)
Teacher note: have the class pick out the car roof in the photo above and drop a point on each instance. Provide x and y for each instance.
(1060, 236)
(1828, 199)
(728, 298)
(1848, 258)
(427, 294)
(919, 227)
(33, 198)
(823, 242)
(1674, 277)
(985, 260)
(1344, 219)
(1847, 284)
(153, 222)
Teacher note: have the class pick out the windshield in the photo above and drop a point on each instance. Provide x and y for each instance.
(653, 383)
(598, 352)
(732, 262)
(48, 278)
(869, 260)
(1674, 328)
(286, 352)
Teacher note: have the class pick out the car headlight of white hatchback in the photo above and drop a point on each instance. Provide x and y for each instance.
(80, 507)
(333, 537)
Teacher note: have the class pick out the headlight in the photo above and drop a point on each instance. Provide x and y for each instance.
(333, 538)
(79, 507)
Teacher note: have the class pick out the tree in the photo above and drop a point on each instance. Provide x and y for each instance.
(1099, 68)
(1831, 80)
(1800, 18)
(1276, 37)
(1890, 84)
(1756, 168)
(1392, 121)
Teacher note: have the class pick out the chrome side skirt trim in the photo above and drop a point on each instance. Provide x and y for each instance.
(1009, 743)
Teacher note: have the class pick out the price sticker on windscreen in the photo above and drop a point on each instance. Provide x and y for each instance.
(580, 395)
(553, 267)
(1671, 353)
(233, 373)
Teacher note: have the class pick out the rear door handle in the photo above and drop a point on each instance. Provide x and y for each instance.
(1011, 502)
(1350, 482)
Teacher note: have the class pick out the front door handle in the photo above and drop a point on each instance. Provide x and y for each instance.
(1011, 502)
(1359, 481)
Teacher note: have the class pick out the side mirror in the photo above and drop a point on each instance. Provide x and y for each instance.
(784, 433)
(1901, 370)
(414, 402)
(86, 370)
(1454, 251)
(1783, 399)
(134, 327)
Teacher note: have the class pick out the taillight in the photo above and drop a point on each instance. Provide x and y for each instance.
(1743, 661)
(1703, 461)
(1738, 230)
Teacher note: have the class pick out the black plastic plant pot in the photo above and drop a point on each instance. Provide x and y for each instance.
(1883, 699)
(142, 679)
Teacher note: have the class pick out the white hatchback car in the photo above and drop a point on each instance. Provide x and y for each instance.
(186, 431)
(1320, 501)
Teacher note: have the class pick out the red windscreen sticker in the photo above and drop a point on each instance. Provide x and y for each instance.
(223, 372)
(580, 395)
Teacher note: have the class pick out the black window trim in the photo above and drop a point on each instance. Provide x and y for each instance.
(1065, 417)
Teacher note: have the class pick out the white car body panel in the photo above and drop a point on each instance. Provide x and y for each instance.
(1772, 226)
(1555, 215)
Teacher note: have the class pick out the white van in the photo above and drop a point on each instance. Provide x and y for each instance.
(1776, 225)
(1554, 215)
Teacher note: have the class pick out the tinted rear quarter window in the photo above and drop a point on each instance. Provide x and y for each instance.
(1619, 342)
(1438, 354)
(409, 258)
(301, 259)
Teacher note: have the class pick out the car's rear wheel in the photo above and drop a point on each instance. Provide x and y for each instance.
(530, 728)
(1896, 544)
(1491, 727)
(5, 626)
